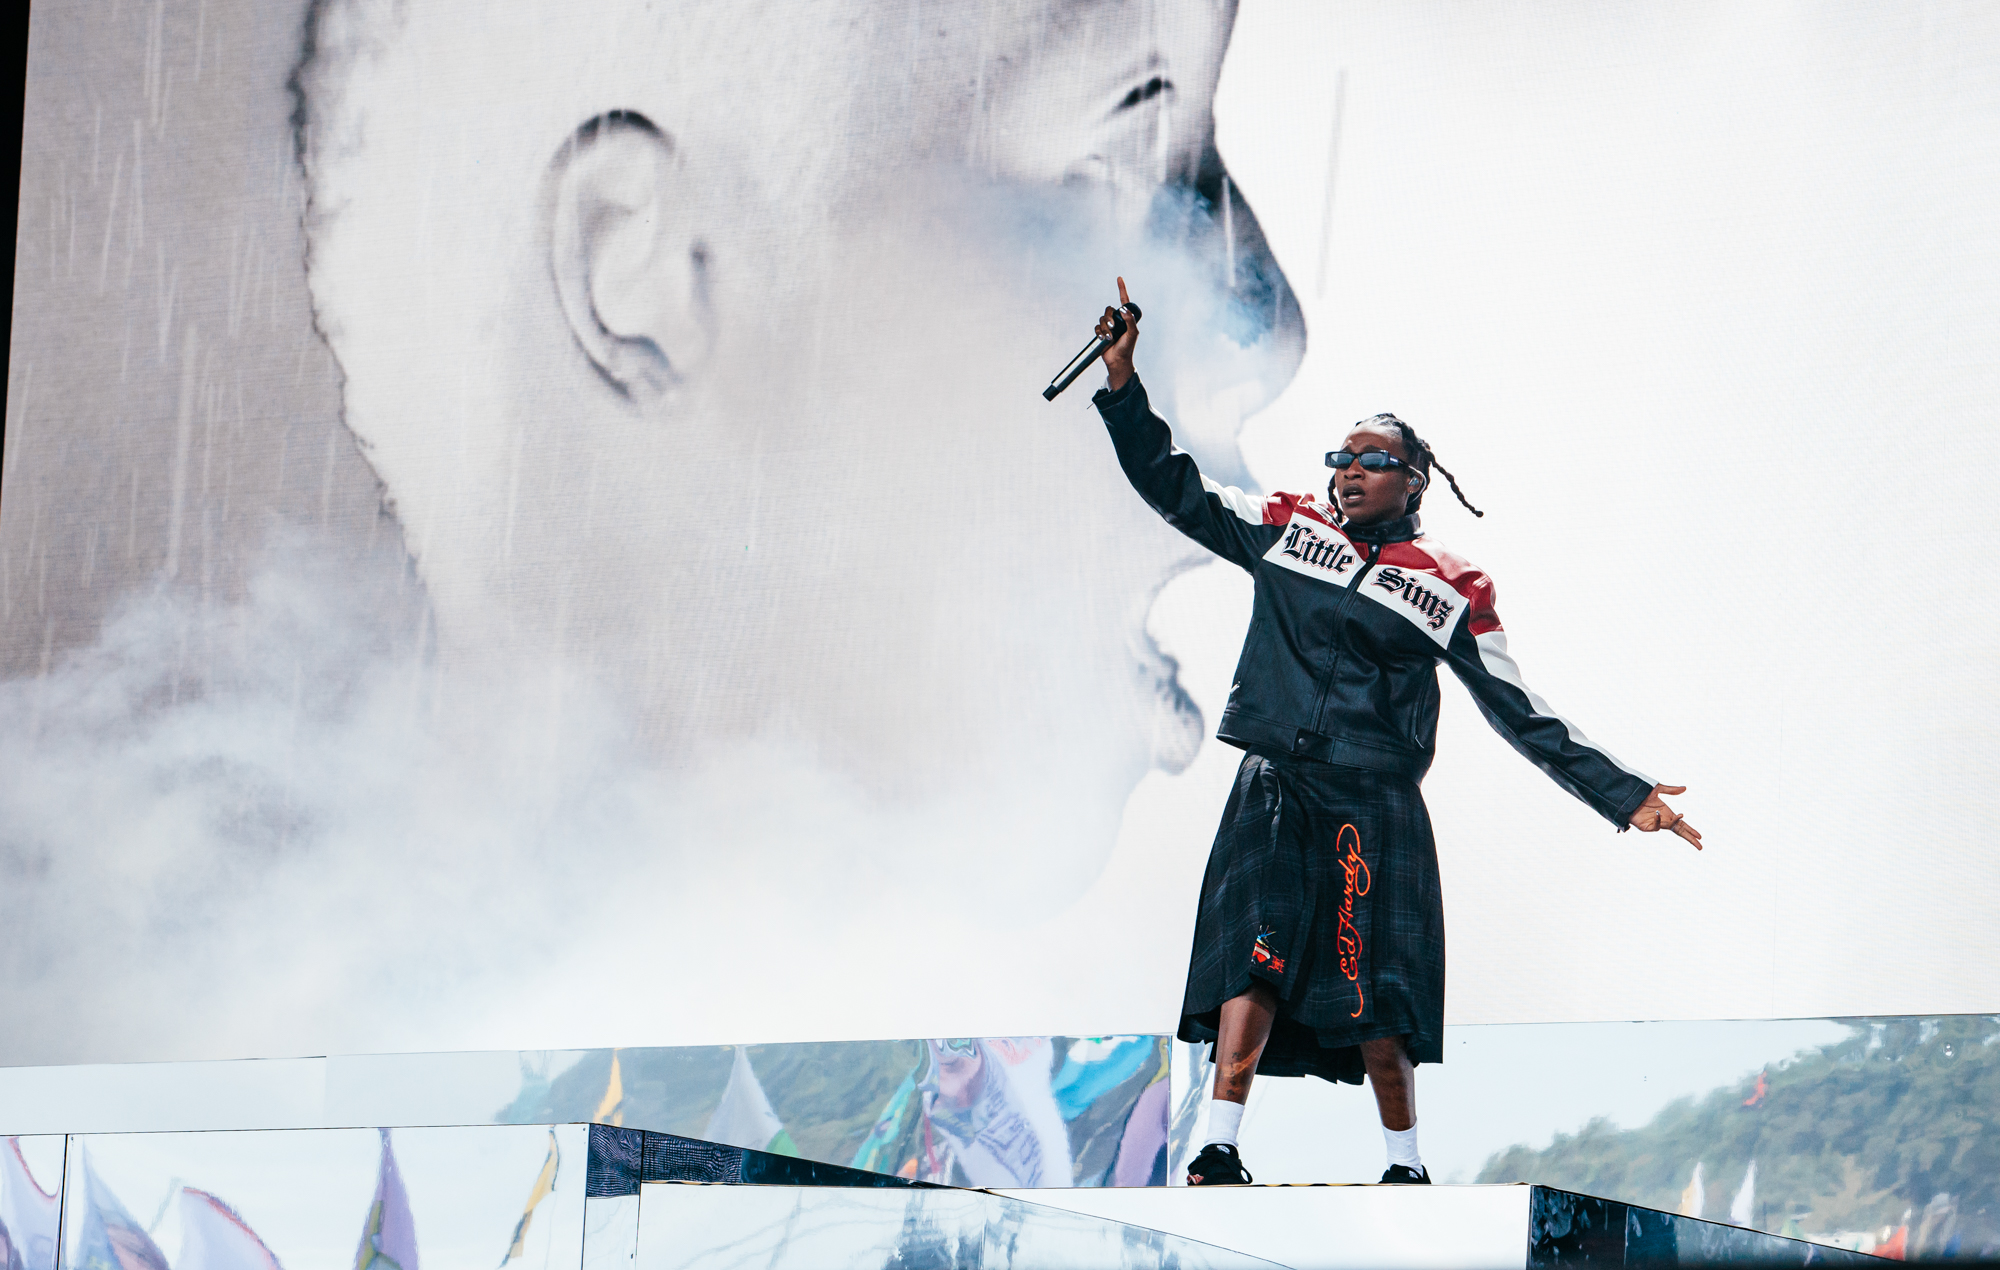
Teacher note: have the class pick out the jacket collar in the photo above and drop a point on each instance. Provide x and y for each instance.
(1401, 529)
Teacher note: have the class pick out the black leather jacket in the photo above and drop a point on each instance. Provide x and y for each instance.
(1349, 625)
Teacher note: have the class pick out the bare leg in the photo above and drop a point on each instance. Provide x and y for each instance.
(1240, 1038)
(1389, 1074)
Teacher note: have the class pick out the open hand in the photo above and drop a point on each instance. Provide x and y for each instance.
(1118, 358)
(1654, 814)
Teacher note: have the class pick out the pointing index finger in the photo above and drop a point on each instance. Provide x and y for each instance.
(1122, 297)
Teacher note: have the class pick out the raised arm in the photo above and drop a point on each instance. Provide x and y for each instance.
(1226, 520)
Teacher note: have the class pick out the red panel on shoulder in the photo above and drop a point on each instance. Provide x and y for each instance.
(1278, 509)
(1469, 582)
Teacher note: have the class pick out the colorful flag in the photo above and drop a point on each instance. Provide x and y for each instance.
(1897, 1246)
(110, 1239)
(213, 1237)
(389, 1236)
(1744, 1210)
(1692, 1197)
(27, 1212)
(744, 1117)
(1757, 1094)
(1193, 1076)
(1095, 1066)
(545, 1185)
(1144, 1142)
(881, 1151)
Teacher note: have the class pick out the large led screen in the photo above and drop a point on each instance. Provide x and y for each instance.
(535, 524)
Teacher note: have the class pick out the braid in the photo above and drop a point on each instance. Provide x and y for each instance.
(1424, 459)
(1430, 458)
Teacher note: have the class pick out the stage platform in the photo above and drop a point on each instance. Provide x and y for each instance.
(1352, 1227)
(606, 1197)
(1075, 1120)
(690, 1204)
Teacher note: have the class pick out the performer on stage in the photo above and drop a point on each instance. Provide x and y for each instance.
(1319, 940)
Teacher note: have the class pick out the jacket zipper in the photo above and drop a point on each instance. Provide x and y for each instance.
(1340, 611)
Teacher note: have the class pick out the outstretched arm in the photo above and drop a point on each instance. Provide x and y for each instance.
(1233, 524)
(1478, 656)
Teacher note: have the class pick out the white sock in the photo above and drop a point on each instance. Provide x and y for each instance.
(1224, 1118)
(1403, 1146)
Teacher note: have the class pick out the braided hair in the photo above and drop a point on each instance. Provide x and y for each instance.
(1422, 458)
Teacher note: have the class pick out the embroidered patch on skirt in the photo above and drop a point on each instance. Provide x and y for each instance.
(1323, 883)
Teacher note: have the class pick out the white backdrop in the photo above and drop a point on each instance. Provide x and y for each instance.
(1698, 302)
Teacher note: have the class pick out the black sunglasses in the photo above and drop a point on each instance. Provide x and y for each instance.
(1371, 460)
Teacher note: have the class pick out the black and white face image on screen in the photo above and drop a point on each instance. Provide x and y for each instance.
(683, 344)
(683, 351)
(537, 524)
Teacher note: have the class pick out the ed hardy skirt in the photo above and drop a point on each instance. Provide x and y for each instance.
(1323, 883)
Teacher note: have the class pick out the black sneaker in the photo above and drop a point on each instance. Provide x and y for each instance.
(1218, 1165)
(1403, 1175)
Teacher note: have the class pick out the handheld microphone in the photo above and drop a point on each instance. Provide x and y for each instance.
(1091, 351)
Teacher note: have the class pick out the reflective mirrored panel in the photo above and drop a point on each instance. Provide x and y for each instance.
(610, 1232)
(31, 1178)
(1327, 1227)
(686, 1227)
(326, 1199)
(974, 1111)
(1545, 1103)
(1034, 1234)
(1853, 1133)
(151, 1097)
(989, 1111)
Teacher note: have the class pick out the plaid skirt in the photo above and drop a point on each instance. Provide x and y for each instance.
(1323, 883)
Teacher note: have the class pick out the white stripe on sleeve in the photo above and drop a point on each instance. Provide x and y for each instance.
(1248, 507)
(1501, 665)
